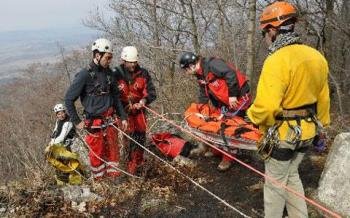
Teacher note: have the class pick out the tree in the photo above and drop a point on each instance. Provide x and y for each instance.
(251, 38)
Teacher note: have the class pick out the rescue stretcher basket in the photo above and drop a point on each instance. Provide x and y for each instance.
(217, 140)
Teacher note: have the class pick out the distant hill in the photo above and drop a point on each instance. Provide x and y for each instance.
(19, 48)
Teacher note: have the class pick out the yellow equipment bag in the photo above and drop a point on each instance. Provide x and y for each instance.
(64, 161)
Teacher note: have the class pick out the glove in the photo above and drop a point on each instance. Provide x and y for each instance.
(319, 142)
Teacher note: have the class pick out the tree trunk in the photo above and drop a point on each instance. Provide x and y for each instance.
(156, 37)
(250, 38)
(328, 30)
(156, 42)
(195, 38)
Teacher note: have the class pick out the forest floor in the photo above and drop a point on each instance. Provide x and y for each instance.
(161, 193)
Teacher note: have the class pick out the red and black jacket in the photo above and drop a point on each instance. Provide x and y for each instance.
(219, 80)
(136, 86)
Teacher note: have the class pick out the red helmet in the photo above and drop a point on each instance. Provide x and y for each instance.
(277, 13)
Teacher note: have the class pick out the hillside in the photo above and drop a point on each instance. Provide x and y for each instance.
(160, 193)
(34, 77)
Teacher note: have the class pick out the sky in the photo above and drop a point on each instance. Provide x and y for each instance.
(43, 14)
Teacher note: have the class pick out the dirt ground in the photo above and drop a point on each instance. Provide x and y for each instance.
(239, 186)
(162, 192)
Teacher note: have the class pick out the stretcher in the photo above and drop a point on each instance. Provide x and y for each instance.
(224, 131)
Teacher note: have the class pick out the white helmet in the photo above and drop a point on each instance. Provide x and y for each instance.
(102, 45)
(59, 107)
(129, 54)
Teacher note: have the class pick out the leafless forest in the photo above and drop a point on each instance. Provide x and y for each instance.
(161, 29)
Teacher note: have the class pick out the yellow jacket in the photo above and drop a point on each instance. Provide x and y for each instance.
(293, 76)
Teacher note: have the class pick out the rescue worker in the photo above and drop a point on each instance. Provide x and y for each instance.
(221, 83)
(59, 154)
(137, 90)
(99, 95)
(64, 130)
(292, 92)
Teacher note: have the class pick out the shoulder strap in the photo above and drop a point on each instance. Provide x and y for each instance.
(109, 77)
(91, 73)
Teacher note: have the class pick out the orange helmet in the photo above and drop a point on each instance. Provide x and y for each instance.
(277, 13)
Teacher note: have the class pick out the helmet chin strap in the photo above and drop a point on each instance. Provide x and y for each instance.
(98, 61)
(282, 30)
(193, 69)
(102, 54)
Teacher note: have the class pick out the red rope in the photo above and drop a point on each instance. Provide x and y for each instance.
(274, 181)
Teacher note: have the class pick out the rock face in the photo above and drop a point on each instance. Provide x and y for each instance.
(334, 185)
(79, 148)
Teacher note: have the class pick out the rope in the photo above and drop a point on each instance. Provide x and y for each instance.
(82, 176)
(271, 179)
(182, 174)
(112, 166)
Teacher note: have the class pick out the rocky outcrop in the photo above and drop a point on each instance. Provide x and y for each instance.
(334, 185)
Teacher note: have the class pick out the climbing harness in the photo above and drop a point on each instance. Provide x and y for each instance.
(268, 146)
(95, 124)
(98, 89)
(269, 142)
(105, 123)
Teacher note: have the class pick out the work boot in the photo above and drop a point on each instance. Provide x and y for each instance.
(208, 154)
(224, 165)
(198, 151)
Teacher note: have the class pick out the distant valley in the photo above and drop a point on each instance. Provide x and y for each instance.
(20, 48)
